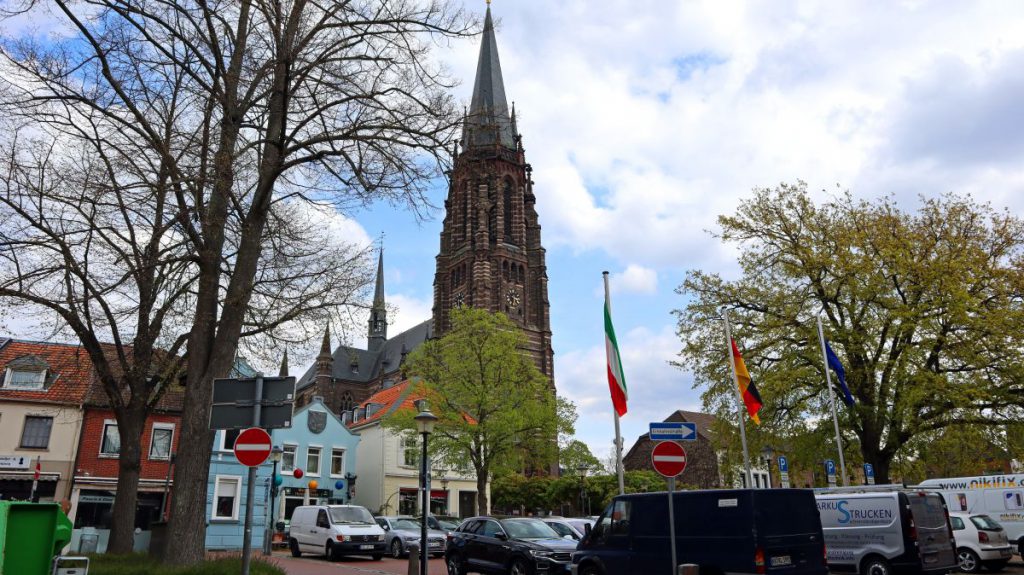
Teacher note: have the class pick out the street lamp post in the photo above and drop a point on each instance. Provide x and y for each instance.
(582, 469)
(275, 455)
(350, 486)
(425, 426)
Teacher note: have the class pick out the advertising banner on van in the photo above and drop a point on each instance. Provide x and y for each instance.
(830, 472)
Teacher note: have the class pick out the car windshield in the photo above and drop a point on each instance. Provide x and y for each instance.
(350, 515)
(528, 529)
(406, 524)
(985, 523)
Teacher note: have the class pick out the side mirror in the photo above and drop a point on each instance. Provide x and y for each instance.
(587, 528)
(501, 536)
(386, 527)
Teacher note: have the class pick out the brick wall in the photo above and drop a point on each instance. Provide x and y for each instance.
(701, 462)
(91, 463)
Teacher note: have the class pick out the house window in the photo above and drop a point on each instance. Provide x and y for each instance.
(410, 453)
(227, 439)
(226, 497)
(313, 461)
(288, 459)
(160, 444)
(25, 379)
(36, 434)
(110, 445)
(337, 462)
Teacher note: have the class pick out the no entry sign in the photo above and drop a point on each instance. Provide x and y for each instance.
(252, 447)
(669, 458)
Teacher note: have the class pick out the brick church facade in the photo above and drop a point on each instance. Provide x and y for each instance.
(490, 257)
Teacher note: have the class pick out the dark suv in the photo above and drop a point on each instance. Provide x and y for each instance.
(517, 546)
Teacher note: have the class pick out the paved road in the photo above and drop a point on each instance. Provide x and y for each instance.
(309, 565)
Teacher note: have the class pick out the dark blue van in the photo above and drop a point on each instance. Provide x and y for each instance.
(756, 531)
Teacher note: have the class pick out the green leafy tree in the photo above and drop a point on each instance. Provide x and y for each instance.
(497, 413)
(924, 310)
(575, 456)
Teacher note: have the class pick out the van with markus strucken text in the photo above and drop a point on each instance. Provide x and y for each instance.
(1001, 497)
(885, 532)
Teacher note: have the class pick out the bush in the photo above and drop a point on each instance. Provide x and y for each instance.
(141, 564)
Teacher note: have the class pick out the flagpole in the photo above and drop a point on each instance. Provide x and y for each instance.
(832, 400)
(615, 413)
(739, 400)
(35, 480)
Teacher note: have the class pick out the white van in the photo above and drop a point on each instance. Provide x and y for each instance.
(1001, 497)
(885, 532)
(335, 530)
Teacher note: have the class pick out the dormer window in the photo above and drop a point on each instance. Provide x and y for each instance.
(25, 379)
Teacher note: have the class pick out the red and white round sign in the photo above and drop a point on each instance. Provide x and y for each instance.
(669, 458)
(252, 447)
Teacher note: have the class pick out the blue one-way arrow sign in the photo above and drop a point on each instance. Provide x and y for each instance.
(674, 431)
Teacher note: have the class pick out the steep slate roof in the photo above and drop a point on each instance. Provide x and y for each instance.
(69, 366)
(488, 122)
(704, 422)
(371, 364)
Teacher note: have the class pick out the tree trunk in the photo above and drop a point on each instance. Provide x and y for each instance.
(131, 420)
(481, 492)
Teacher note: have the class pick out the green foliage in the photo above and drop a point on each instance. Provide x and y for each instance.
(496, 412)
(922, 308)
(517, 493)
(575, 455)
(142, 564)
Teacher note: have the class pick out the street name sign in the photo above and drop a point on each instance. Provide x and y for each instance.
(669, 458)
(234, 403)
(673, 431)
(252, 447)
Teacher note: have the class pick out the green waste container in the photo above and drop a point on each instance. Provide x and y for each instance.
(31, 534)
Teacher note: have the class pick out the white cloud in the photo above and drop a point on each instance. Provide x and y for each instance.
(408, 312)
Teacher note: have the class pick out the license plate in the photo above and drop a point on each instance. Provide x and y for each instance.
(366, 546)
(781, 560)
(1005, 553)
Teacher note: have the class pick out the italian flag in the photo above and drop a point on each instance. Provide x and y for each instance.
(616, 379)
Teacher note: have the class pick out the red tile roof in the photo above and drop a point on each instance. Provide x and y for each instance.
(396, 397)
(70, 364)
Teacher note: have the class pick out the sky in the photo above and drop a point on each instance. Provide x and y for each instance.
(646, 120)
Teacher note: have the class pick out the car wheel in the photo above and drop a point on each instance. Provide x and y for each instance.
(590, 569)
(519, 567)
(332, 552)
(454, 564)
(396, 548)
(875, 566)
(969, 562)
(294, 546)
(997, 565)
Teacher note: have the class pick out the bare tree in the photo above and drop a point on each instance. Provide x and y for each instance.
(220, 115)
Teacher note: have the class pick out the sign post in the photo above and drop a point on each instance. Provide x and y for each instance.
(869, 474)
(669, 459)
(784, 471)
(830, 472)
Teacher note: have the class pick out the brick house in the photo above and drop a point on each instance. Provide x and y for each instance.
(96, 468)
(701, 456)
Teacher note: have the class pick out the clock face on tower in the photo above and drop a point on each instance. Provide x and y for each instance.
(512, 297)
(458, 300)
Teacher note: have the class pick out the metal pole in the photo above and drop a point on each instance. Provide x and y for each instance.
(426, 508)
(269, 536)
(618, 434)
(167, 488)
(739, 400)
(672, 520)
(832, 400)
(250, 487)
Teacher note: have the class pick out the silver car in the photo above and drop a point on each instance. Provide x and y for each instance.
(401, 531)
(569, 527)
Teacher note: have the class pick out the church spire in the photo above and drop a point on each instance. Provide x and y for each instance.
(489, 122)
(377, 333)
(284, 365)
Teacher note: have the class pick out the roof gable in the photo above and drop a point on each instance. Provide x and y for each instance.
(68, 364)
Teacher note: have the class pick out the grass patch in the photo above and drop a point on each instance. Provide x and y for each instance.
(141, 564)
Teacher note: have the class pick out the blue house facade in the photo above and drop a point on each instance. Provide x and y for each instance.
(225, 497)
(323, 448)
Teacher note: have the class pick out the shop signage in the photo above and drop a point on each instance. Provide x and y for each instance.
(15, 461)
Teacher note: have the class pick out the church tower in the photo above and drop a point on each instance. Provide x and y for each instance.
(491, 255)
(377, 332)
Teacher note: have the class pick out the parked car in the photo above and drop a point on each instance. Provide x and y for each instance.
(980, 541)
(1001, 497)
(514, 546)
(441, 522)
(881, 530)
(569, 527)
(765, 531)
(403, 530)
(335, 531)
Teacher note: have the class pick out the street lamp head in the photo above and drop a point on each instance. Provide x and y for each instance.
(425, 419)
(276, 453)
(582, 469)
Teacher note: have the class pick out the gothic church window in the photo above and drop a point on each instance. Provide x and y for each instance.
(346, 403)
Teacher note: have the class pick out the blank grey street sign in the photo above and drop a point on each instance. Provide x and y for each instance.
(234, 403)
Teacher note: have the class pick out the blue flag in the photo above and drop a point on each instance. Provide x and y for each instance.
(837, 367)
